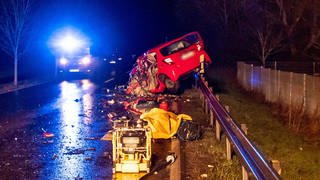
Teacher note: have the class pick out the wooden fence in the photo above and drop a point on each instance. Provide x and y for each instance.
(292, 90)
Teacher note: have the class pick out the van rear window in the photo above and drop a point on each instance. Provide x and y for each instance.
(172, 48)
(179, 45)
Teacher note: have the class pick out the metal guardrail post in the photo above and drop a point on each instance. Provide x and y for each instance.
(276, 165)
(229, 150)
(218, 131)
(228, 144)
(206, 107)
(211, 118)
(217, 125)
(248, 155)
(244, 171)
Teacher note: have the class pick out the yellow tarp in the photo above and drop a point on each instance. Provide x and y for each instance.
(163, 124)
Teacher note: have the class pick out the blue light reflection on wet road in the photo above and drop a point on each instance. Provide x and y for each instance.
(78, 152)
(69, 110)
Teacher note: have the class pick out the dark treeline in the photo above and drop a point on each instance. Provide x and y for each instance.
(261, 30)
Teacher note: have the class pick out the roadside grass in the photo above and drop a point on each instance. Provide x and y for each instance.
(205, 158)
(299, 158)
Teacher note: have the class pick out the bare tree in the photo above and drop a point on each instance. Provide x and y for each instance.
(267, 34)
(290, 13)
(13, 19)
(314, 30)
(268, 42)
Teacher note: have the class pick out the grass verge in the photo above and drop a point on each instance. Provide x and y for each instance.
(205, 158)
(299, 158)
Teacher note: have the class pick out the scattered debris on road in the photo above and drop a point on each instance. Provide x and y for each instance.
(91, 138)
(48, 135)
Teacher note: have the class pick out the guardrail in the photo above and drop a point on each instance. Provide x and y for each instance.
(251, 159)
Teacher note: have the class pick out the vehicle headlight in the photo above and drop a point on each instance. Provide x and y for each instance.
(86, 60)
(63, 61)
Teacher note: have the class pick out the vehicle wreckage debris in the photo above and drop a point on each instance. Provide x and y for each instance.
(154, 110)
(88, 159)
(47, 134)
(162, 68)
(139, 113)
(91, 138)
(79, 151)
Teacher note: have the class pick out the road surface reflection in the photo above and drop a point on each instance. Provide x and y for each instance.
(75, 109)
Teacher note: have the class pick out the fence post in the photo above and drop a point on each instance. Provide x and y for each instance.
(269, 85)
(244, 76)
(251, 78)
(262, 78)
(304, 93)
(278, 84)
(314, 67)
(290, 100)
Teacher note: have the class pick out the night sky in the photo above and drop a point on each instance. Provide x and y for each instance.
(131, 27)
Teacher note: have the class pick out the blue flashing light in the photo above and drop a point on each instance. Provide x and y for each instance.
(63, 61)
(70, 43)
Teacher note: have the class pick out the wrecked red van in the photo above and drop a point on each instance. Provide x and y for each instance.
(162, 67)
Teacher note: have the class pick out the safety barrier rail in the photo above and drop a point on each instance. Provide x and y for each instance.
(251, 159)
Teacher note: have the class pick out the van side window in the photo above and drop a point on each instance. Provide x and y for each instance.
(192, 38)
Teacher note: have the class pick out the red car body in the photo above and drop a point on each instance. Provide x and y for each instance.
(174, 60)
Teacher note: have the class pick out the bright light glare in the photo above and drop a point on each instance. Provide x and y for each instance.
(86, 60)
(86, 84)
(63, 61)
(69, 43)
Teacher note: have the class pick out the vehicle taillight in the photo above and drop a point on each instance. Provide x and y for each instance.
(168, 61)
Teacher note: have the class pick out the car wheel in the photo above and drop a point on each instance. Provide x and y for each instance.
(171, 86)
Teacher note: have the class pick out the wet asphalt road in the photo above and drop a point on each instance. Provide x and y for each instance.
(68, 109)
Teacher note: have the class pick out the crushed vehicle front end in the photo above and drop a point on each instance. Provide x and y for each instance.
(165, 65)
